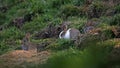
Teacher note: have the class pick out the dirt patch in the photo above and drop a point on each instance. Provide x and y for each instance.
(19, 58)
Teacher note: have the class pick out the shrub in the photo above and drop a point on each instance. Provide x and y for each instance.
(117, 8)
(91, 57)
(8, 45)
(61, 44)
(77, 23)
(105, 20)
(36, 6)
(71, 10)
(107, 34)
(11, 33)
(35, 25)
(25, 9)
(96, 9)
(3, 47)
(2, 17)
(78, 2)
(58, 3)
(115, 20)
(9, 3)
(10, 39)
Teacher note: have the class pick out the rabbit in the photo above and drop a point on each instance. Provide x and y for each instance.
(26, 42)
(27, 45)
(71, 33)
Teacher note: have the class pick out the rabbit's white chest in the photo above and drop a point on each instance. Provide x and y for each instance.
(67, 34)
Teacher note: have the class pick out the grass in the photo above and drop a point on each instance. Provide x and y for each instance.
(91, 57)
(77, 23)
(36, 24)
(93, 53)
(9, 39)
(115, 20)
(11, 33)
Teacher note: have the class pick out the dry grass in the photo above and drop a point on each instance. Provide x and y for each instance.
(19, 58)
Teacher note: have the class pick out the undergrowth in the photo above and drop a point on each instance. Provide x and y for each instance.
(38, 14)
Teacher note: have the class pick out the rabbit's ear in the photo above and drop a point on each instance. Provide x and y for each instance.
(64, 27)
(27, 34)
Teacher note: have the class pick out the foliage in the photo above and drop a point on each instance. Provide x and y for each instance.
(10, 39)
(9, 3)
(117, 8)
(107, 34)
(3, 47)
(61, 44)
(35, 25)
(78, 2)
(115, 20)
(2, 17)
(71, 10)
(24, 9)
(105, 21)
(96, 9)
(58, 3)
(91, 57)
(77, 23)
(11, 33)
